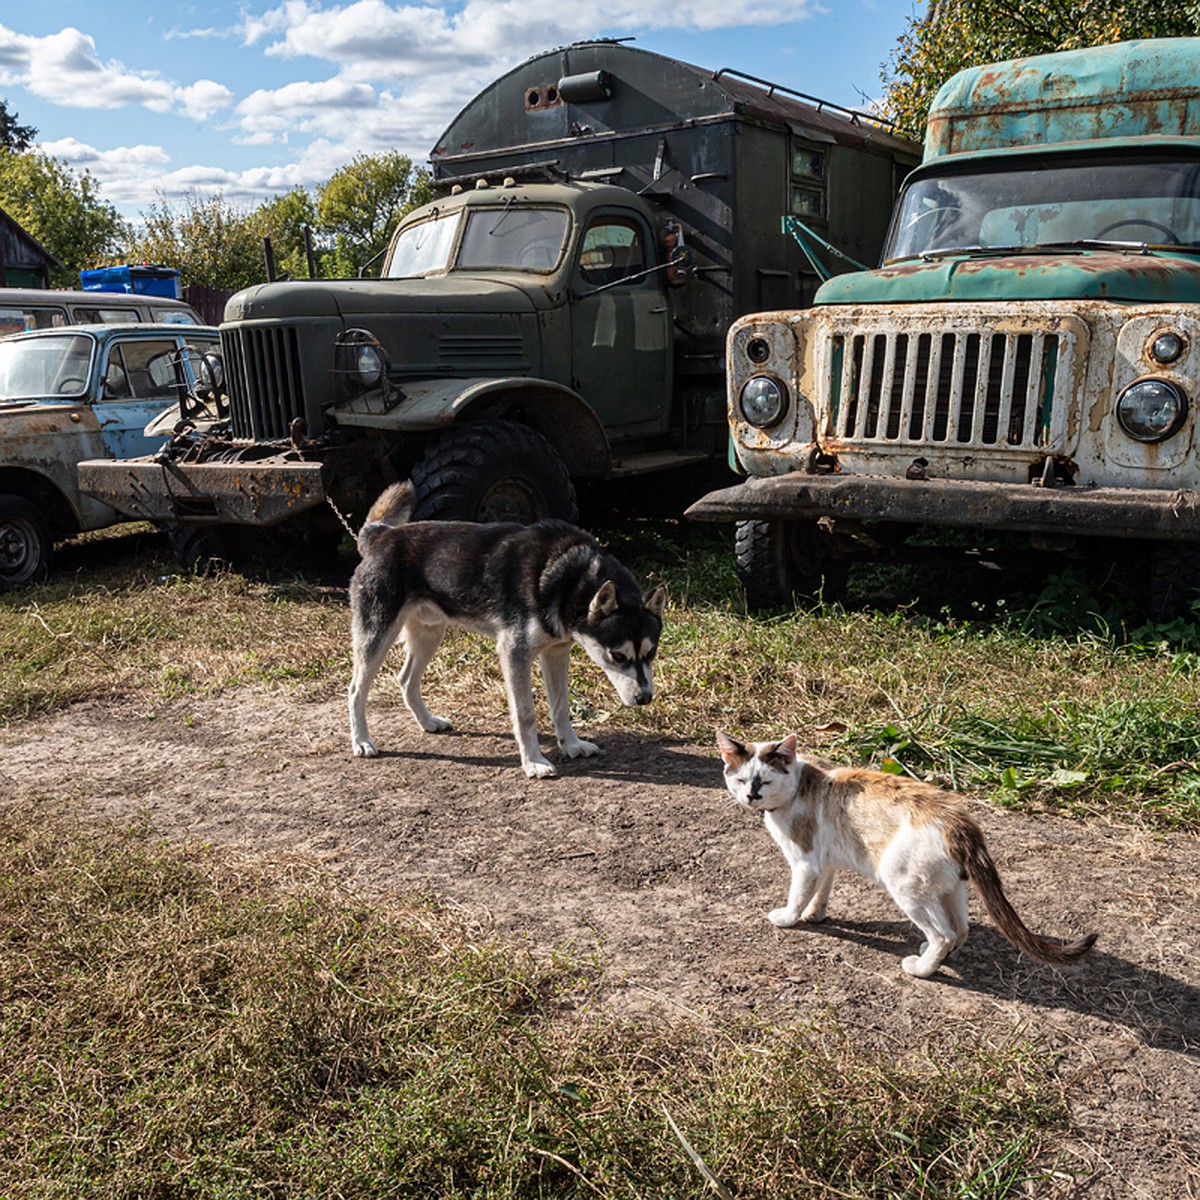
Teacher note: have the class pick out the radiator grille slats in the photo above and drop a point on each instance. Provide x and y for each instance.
(967, 388)
(265, 381)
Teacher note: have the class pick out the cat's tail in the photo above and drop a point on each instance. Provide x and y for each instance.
(970, 851)
(393, 507)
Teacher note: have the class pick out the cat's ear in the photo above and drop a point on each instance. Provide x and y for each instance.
(731, 751)
(787, 750)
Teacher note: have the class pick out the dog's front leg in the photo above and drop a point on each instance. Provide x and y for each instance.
(516, 662)
(555, 666)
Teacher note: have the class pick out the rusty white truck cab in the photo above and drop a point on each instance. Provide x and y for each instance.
(1027, 357)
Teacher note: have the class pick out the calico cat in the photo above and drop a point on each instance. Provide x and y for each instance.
(914, 839)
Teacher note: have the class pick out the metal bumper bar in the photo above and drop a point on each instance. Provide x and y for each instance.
(1108, 512)
(262, 492)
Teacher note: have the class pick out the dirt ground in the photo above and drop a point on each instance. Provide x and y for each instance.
(638, 856)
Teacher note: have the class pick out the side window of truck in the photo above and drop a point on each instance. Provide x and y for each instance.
(612, 249)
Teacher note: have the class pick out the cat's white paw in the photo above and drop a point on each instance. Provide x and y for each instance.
(578, 748)
(539, 768)
(813, 916)
(916, 966)
(785, 918)
(364, 748)
(432, 724)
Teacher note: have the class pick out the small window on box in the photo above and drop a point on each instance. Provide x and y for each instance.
(808, 162)
(807, 201)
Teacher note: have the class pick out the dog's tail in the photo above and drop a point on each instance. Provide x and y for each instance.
(392, 508)
(967, 848)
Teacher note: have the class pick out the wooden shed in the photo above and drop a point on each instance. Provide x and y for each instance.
(24, 261)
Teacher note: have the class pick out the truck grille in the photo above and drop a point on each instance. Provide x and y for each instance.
(966, 388)
(262, 367)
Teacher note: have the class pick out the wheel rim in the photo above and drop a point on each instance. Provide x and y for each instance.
(510, 500)
(18, 548)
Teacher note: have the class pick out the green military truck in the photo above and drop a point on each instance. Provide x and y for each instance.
(1026, 359)
(558, 314)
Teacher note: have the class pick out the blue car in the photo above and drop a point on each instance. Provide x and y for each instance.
(84, 392)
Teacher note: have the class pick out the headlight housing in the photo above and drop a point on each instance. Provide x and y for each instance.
(763, 401)
(368, 365)
(1151, 410)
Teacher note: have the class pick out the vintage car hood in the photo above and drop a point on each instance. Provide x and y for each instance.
(1131, 276)
(354, 298)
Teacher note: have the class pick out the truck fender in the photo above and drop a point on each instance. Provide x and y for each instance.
(558, 413)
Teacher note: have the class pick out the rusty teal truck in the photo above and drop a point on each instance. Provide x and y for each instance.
(557, 314)
(1027, 358)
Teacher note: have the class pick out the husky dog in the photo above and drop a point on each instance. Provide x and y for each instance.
(533, 589)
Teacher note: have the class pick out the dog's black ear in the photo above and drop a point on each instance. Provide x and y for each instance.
(656, 601)
(604, 602)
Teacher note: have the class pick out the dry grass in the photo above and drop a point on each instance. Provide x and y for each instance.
(170, 1027)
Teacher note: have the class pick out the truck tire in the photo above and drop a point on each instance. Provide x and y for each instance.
(1174, 580)
(199, 549)
(492, 471)
(782, 562)
(26, 543)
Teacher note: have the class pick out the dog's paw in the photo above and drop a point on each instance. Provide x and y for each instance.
(578, 748)
(432, 724)
(783, 917)
(365, 749)
(539, 769)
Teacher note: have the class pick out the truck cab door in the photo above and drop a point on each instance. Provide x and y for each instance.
(621, 327)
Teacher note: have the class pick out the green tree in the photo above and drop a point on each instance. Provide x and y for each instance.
(62, 209)
(14, 136)
(210, 241)
(954, 34)
(361, 205)
(284, 220)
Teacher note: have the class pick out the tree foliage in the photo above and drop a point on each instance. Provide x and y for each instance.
(215, 243)
(210, 241)
(954, 34)
(62, 209)
(360, 206)
(13, 135)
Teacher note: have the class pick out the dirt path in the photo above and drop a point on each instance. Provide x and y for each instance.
(639, 854)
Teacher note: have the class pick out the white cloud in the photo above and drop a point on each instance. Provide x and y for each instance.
(65, 69)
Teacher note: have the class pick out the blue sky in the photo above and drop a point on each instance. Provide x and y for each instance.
(158, 100)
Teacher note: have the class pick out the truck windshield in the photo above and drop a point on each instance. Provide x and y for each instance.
(513, 237)
(424, 247)
(1007, 205)
(37, 367)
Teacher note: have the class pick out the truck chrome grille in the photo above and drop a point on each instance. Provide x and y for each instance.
(966, 388)
(262, 368)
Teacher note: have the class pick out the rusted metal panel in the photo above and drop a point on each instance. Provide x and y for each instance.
(1146, 88)
(261, 492)
(1110, 512)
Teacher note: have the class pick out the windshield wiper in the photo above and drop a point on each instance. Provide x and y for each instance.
(1076, 247)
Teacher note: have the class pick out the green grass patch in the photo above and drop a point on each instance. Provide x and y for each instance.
(171, 1027)
(1061, 701)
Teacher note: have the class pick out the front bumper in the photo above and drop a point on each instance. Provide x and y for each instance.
(1158, 514)
(264, 491)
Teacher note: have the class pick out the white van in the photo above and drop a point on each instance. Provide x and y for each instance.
(23, 309)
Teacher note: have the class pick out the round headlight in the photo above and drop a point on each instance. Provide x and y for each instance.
(1167, 347)
(1152, 409)
(763, 401)
(368, 365)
